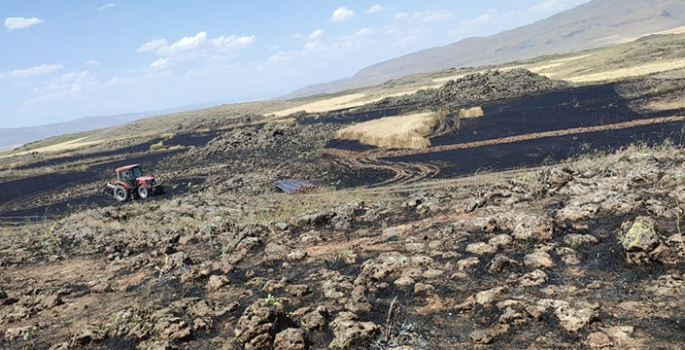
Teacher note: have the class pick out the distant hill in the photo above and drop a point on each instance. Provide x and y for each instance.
(13, 137)
(595, 24)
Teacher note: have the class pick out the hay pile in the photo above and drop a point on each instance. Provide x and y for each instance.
(401, 132)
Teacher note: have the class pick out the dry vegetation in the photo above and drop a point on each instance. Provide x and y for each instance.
(404, 132)
(473, 112)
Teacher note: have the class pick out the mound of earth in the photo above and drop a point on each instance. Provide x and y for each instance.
(476, 89)
(252, 158)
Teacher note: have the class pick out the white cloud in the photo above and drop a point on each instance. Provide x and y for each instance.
(153, 45)
(342, 14)
(108, 6)
(297, 36)
(187, 43)
(275, 47)
(401, 15)
(432, 16)
(34, 71)
(233, 41)
(92, 63)
(21, 22)
(364, 31)
(159, 64)
(317, 34)
(188, 47)
(375, 9)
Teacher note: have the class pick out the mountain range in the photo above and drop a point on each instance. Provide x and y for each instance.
(595, 24)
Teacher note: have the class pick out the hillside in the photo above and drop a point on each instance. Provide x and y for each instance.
(14, 137)
(595, 24)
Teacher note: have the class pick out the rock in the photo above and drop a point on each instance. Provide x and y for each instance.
(349, 332)
(664, 255)
(598, 340)
(467, 263)
(257, 326)
(87, 335)
(297, 290)
(290, 339)
(538, 260)
(534, 278)
(404, 281)
(481, 336)
(283, 226)
(480, 248)
(297, 254)
(423, 288)
(534, 227)
(576, 211)
(358, 301)
(216, 283)
(642, 235)
(576, 240)
(51, 301)
(500, 262)
(175, 261)
(620, 335)
(314, 320)
(500, 241)
(102, 287)
(572, 319)
(490, 296)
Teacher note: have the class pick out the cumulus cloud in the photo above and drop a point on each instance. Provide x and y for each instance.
(108, 6)
(364, 31)
(342, 14)
(317, 34)
(159, 64)
(21, 22)
(153, 45)
(187, 43)
(92, 63)
(401, 15)
(432, 16)
(198, 43)
(34, 71)
(375, 9)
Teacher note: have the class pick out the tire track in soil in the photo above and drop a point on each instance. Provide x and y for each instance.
(407, 174)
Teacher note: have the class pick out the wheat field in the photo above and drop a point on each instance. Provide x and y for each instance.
(401, 132)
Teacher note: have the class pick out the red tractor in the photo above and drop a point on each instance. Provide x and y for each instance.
(131, 183)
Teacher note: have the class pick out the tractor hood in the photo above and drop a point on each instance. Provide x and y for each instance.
(145, 178)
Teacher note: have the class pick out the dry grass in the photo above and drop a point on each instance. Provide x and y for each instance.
(628, 72)
(473, 112)
(60, 147)
(402, 132)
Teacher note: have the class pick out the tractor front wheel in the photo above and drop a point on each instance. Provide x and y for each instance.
(120, 193)
(143, 192)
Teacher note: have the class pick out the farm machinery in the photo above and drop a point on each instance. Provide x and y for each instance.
(131, 183)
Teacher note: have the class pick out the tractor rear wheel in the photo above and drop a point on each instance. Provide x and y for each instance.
(143, 192)
(120, 193)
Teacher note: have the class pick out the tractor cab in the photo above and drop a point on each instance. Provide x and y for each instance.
(131, 182)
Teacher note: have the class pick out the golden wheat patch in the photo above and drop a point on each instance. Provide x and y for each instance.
(401, 132)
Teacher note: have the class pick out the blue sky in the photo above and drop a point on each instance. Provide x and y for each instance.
(63, 60)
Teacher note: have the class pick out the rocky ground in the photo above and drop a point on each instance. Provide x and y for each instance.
(587, 254)
(476, 89)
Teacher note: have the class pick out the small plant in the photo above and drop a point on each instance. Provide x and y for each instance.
(272, 300)
(29, 332)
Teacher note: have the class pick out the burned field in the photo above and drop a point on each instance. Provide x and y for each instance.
(552, 221)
